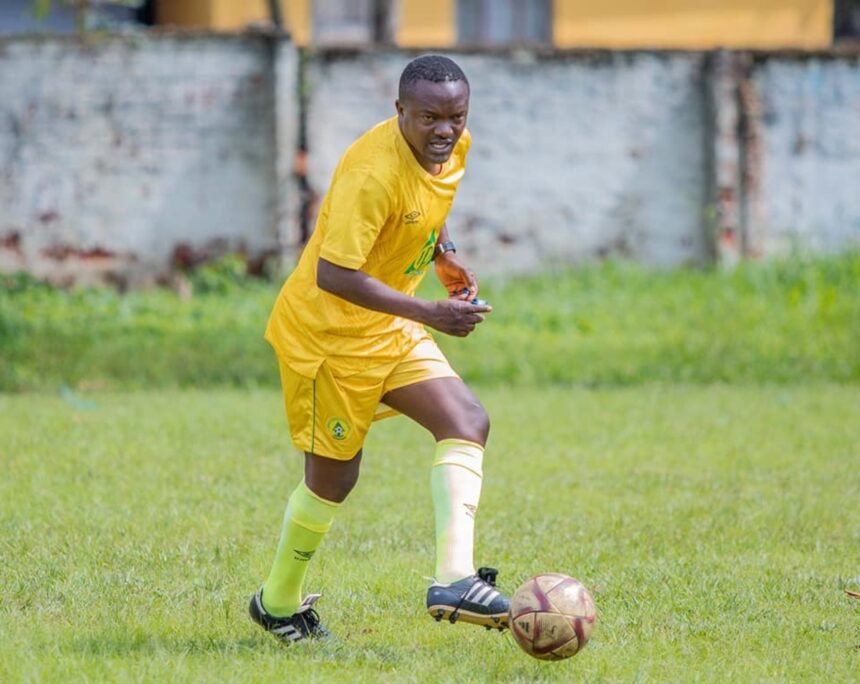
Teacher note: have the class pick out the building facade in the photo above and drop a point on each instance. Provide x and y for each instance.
(619, 24)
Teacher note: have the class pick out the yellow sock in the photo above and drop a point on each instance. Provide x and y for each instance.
(455, 482)
(307, 519)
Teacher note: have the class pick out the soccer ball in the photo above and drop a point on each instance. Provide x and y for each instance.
(552, 616)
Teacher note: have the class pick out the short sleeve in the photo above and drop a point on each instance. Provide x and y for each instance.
(359, 206)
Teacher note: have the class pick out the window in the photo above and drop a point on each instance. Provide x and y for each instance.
(846, 20)
(352, 22)
(504, 22)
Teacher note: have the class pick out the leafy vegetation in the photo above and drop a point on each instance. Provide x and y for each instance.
(89, 14)
(609, 324)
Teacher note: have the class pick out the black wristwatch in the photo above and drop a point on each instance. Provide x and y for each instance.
(442, 247)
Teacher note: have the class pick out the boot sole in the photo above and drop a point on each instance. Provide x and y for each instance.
(495, 621)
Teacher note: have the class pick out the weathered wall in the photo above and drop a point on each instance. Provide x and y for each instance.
(573, 156)
(786, 153)
(119, 158)
(124, 157)
(805, 164)
(661, 157)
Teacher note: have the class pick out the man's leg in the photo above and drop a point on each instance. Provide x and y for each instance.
(458, 421)
(445, 406)
(329, 418)
(455, 417)
(309, 515)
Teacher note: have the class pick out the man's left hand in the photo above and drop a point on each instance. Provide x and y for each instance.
(457, 279)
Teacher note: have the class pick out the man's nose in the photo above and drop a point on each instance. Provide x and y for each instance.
(444, 129)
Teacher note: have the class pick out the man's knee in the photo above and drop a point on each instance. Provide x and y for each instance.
(329, 478)
(472, 422)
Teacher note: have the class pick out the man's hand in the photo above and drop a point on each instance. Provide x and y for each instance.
(457, 279)
(454, 316)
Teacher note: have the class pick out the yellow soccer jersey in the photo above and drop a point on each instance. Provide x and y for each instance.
(382, 214)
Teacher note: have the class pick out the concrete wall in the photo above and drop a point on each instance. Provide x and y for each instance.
(786, 156)
(124, 156)
(121, 158)
(573, 157)
(807, 194)
(665, 158)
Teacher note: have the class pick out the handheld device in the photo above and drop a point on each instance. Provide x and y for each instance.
(476, 301)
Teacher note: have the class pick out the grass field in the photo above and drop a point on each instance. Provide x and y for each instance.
(716, 525)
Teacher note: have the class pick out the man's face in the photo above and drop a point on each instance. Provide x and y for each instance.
(432, 117)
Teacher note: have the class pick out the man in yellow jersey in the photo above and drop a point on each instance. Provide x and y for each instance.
(352, 348)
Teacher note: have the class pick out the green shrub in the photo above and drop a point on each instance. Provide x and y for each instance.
(607, 324)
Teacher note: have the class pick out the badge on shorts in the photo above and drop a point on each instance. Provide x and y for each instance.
(338, 428)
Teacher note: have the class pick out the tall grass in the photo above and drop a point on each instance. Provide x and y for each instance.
(610, 324)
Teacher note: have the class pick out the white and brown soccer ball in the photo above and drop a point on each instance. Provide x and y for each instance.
(552, 616)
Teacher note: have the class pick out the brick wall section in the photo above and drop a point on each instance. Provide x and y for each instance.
(121, 157)
(804, 156)
(118, 158)
(286, 220)
(574, 157)
(665, 158)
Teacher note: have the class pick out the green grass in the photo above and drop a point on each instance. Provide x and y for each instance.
(603, 325)
(717, 527)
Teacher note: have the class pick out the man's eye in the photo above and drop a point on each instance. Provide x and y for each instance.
(427, 118)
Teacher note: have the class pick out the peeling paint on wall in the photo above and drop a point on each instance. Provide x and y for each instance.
(662, 157)
(111, 155)
(123, 161)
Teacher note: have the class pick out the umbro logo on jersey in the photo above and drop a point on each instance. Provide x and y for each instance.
(412, 217)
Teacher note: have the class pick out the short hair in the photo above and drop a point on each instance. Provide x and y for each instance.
(433, 68)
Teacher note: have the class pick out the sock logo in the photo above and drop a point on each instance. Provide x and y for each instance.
(470, 510)
(302, 555)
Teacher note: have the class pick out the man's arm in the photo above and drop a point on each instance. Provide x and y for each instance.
(450, 316)
(452, 273)
(443, 234)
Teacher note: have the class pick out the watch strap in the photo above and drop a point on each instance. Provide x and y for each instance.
(442, 247)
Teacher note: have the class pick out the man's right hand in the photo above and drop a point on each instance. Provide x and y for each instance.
(454, 316)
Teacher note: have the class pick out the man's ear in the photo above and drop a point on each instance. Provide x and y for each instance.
(398, 107)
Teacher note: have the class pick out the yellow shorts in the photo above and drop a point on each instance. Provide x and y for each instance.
(330, 416)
